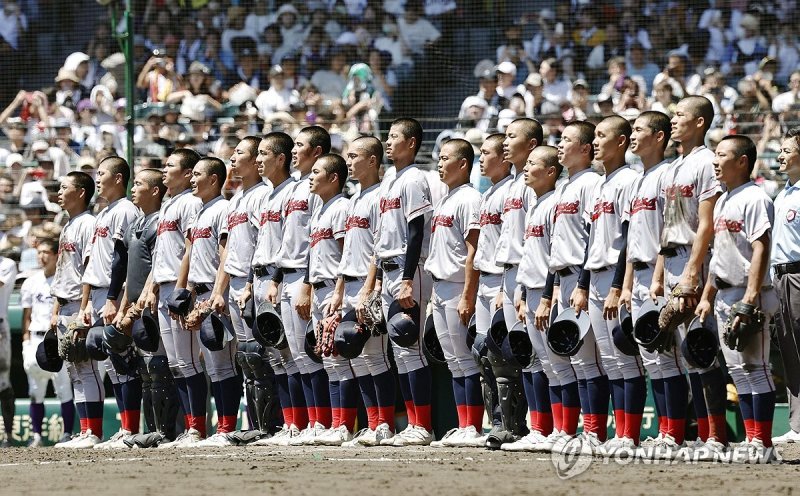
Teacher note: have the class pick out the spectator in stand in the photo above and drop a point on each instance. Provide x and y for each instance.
(292, 30)
(236, 30)
(578, 102)
(745, 53)
(78, 64)
(722, 96)
(534, 85)
(198, 92)
(787, 100)
(278, 98)
(512, 50)
(248, 70)
(189, 47)
(391, 42)
(556, 90)
(210, 55)
(157, 77)
(506, 73)
(664, 101)
(13, 24)
(315, 53)
(416, 32)
(618, 78)
(383, 76)
(291, 72)
(637, 64)
(362, 103)
(612, 48)
(674, 73)
(332, 80)
(258, 18)
(68, 88)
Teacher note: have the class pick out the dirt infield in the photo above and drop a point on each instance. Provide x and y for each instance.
(333, 471)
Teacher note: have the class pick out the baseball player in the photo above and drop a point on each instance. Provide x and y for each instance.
(328, 177)
(37, 311)
(569, 244)
(274, 163)
(104, 277)
(182, 348)
(8, 274)
(311, 143)
(371, 368)
(159, 394)
(496, 168)
(606, 261)
(244, 221)
(74, 194)
(649, 138)
(401, 245)
(454, 236)
(738, 275)
(522, 136)
(785, 260)
(541, 172)
(690, 192)
(204, 245)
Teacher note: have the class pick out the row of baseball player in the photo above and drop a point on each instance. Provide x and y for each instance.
(590, 243)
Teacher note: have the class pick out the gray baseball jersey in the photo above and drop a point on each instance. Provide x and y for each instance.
(456, 214)
(403, 199)
(206, 229)
(610, 209)
(173, 224)
(688, 181)
(490, 218)
(296, 225)
(270, 232)
(646, 215)
(328, 227)
(741, 216)
(535, 263)
(110, 225)
(571, 218)
(74, 246)
(35, 294)
(244, 220)
(519, 198)
(360, 229)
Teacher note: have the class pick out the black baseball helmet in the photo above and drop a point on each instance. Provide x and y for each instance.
(497, 333)
(700, 346)
(116, 340)
(646, 331)
(47, 353)
(517, 347)
(311, 342)
(472, 330)
(180, 302)
(430, 343)
(566, 333)
(95, 346)
(349, 338)
(249, 313)
(147, 336)
(403, 324)
(623, 333)
(216, 332)
(268, 329)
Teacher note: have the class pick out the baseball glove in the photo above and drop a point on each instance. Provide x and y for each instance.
(133, 314)
(326, 329)
(751, 321)
(671, 316)
(198, 315)
(72, 345)
(373, 310)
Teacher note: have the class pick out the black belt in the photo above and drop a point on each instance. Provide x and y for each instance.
(507, 266)
(62, 301)
(260, 270)
(350, 278)
(488, 274)
(640, 265)
(720, 284)
(435, 279)
(567, 271)
(201, 289)
(787, 268)
(389, 266)
(321, 284)
(602, 269)
(669, 252)
(288, 270)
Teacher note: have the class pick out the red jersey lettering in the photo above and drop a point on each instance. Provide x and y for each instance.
(235, 219)
(641, 204)
(490, 218)
(389, 204)
(319, 235)
(167, 225)
(512, 204)
(356, 222)
(567, 208)
(683, 190)
(441, 220)
(732, 226)
(200, 233)
(296, 206)
(534, 231)
(600, 208)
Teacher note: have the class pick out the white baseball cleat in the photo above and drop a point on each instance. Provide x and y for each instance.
(790, 437)
(356, 441)
(757, 453)
(554, 438)
(382, 433)
(186, 438)
(117, 441)
(417, 436)
(316, 432)
(273, 439)
(300, 439)
(667, 448)
(711, 450)
(391, 440)
(85, 440)
(335, 437)
(527, 443)
(292, 432)
(449, 436)
(218, 440)
(36, 441)
(609, 447)
(66, 443)
(652, 441)
(471, 438)
(590, 444)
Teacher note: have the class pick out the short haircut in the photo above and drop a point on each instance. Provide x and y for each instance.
(118, 165)
(251, 142)
(154, 178)
(85, 182)
(531, 128)
(463, 150)
(318, 136)
(496, 141)
(50, 243)
(620, 125)
(411, 128)
(616, 61)
(585, 134)
(215, 167)
(549, 156)
(658, 121)
(794, 134)
(279, 142)
(743, 146)
(187, 158)
(333, 163)
(372, 145)
(700, 106)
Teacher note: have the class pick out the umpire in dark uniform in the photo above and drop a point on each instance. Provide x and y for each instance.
(785, 260)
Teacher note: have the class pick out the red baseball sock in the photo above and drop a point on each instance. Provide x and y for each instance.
(718, 428)
(662, 425)
(423, 417)
(96, 425)
(288, 415)
(558, 419)
(475, 417)
(324, 415)
(386, 416)
(372, 417)
(461, 411)
(677, 429)
(199, 424)
(411, 413)
(347, 417)
(749, 428)
(84, 424)
(601, 426)
(300, 416)
(569, 417)
(619, 422)
(535, 421)
(763, 431)
(703, 428)
(545, 423)
(633, 426)
(336, 417)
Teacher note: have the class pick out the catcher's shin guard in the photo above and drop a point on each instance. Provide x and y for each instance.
(513, 407)
(147, 394)
(164, 395)
(489, 392)
(259, 378)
